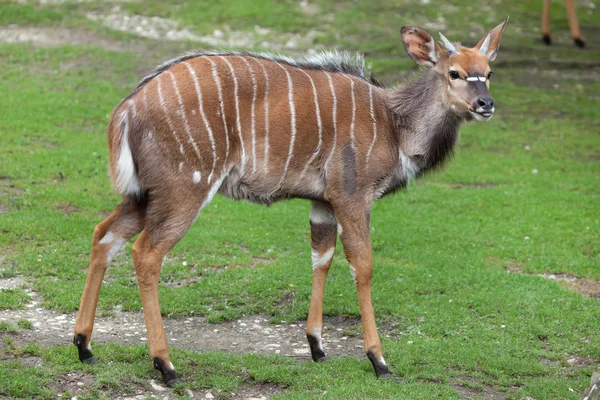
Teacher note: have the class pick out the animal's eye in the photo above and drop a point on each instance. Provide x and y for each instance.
(490, 74)
(454, 75)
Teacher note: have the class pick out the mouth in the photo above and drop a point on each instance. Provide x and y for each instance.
(482, 115)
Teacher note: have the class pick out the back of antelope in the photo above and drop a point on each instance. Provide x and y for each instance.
(263, 128)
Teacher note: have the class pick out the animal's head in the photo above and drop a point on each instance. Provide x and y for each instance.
(466, 70)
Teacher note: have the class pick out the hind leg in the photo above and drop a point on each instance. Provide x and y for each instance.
(169, 216)
(109, 237)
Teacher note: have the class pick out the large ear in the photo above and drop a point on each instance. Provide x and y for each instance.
(494, 42)
(420, 45)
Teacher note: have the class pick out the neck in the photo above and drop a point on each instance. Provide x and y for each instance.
(423, 122)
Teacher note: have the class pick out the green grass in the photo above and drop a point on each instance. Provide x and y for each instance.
(442, 248)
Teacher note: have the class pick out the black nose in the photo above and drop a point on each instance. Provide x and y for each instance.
(487, 103)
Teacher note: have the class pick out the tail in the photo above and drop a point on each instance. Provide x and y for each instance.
(123, 171)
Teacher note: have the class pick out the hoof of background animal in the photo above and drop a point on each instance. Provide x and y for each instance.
(547, 40)
(387, 376)
(90, 360)
(579, 42)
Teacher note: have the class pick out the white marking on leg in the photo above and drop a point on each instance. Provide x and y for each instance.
(126, 180)
(170, 366)
(371, 110)
(181, 166)
(222, 107)
(237, 111)
(89, 346)
(292, 124)
(115, 245)
(204, 119)
(353, 112)
(334, 112)
(353, 273)
(340, 230)
(316, 333)
(319, 124)
(266, 103)
(382, 360)
(252, 113)
(196, 176)
(186, 125)
(319, 260)
(163, 106)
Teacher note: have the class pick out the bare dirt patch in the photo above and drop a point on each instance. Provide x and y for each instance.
(66, 208)
(586, 286)
(76, 383)
(56, 37)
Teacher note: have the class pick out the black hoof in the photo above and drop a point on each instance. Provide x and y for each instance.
(381, 370)
(90, 360)
(317, 354)
(579, 43)
(547, 40)
(169, 376)
(85, 355)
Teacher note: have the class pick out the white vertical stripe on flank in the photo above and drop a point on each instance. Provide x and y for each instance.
(145, 97)
(161, 100)
(206, 124)
(237, 111)
(266, 102)
(334, 111)
(353, 112)
(319, 124)
(186, 125)
(132, 106)
(292, 123)
(374, 125)
(222, 106)
(252, 113)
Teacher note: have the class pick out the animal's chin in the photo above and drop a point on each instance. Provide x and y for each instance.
(483, 116)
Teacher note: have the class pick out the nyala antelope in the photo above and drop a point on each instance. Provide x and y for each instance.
(573, 23)
(263, 128)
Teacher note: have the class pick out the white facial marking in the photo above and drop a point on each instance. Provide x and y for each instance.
(186, 125)
(163, 106)
(472, 78)
(251, 71)
(353, 273)
(320, 260)
(319, 123)
(237, 110)
(372, 113)
(480, 117)
(222, 106)
(204, 119)
(292, 124)
(334, 112)
(482, 78)
(196, 177)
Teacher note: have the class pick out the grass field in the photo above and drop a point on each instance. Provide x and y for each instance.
(486, 274)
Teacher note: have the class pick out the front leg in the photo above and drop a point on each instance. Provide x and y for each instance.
(353, 220)
(323, 228)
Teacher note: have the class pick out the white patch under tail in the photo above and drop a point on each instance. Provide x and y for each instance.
(125, 177)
